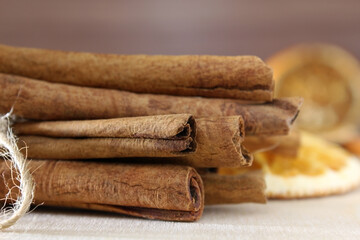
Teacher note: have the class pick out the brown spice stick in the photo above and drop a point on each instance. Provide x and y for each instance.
(243, 188)
(38, 100)
(148, 213)
(243, 77)
(166, 192)
(248, 187)
(219, 144)
(174, 126)
(69, 148)
(283, 145)
(218, 141)
(151, 136)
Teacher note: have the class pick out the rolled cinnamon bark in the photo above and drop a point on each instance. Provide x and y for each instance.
(38, 147)
(165, 192)
(172, 127)
(242, 188)
(151, 136)
(218, 140)
(219, 144)
(38, 100)
(243, 77)
(248, 187)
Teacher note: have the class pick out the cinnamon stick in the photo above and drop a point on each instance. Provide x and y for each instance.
(151, 136)
(242, 188)
(165, 192)
(243, 77)
(171, 127)
(38, 100)
(248, 187)
(219, 144)
(218, 140)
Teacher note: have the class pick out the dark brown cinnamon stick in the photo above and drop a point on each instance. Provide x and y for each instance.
(243, 77)
(243, 188)
(166, 192)
(39, 100)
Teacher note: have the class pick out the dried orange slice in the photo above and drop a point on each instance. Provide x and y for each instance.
(328, 78)
(320, 168)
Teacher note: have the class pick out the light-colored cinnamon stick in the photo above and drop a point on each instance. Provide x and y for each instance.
(37, 147)
(172, 126)
(38, 100)
(219, 144)
(166, 192)
(151, 136)
(242, 77)
(218, 140)
(248, 187)
(242, 188)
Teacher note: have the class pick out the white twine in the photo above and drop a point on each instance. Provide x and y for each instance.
(10, 151)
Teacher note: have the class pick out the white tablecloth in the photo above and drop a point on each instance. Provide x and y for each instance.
(336, 217)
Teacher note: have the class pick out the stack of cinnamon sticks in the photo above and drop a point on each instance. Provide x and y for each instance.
(137, 134)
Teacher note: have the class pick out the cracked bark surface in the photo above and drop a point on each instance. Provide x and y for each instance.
(241, 77)
(151, 136)
(38, 100)
(165, 192)
(242, 188)
(219, 143)
(211, 142)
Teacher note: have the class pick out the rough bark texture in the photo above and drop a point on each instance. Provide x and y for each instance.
(243, 77)
(219, 144)
(153, 136)
(166, 192)
(283, 145)
(243, 188)
(90, 148)
(174, 126)
(33, 99)
(218, 140)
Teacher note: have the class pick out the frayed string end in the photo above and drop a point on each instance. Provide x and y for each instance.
(18, 164)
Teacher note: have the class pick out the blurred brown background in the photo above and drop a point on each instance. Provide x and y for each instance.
(179, 27)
